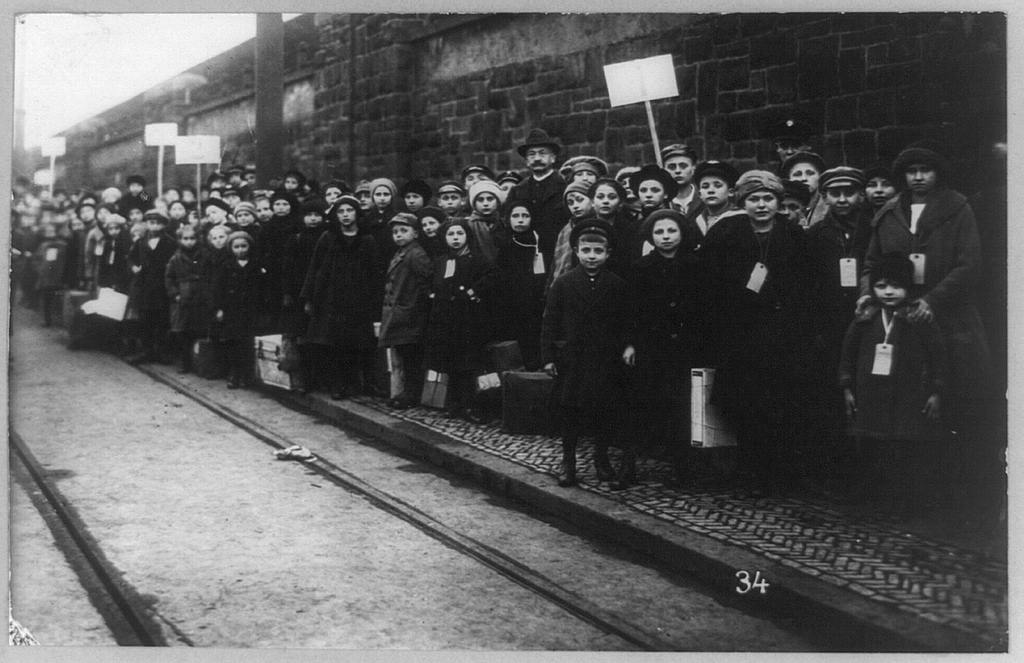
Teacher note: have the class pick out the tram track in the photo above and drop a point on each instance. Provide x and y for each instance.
(123, 610)
(583, 609)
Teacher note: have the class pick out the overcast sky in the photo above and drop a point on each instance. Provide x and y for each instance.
(76, 65)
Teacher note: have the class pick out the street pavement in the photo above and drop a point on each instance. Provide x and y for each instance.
(231, 548)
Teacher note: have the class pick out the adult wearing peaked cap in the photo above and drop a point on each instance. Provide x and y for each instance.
(542, 189)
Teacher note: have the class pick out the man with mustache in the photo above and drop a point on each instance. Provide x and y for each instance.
(542, 190)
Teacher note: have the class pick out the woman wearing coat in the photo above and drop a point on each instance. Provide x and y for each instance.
(935, 226)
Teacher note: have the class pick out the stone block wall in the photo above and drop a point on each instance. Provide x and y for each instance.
(423, 95)
(407, 96)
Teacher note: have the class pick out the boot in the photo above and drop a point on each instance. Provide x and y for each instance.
(627, 471)
(602, 464)
(568, 476)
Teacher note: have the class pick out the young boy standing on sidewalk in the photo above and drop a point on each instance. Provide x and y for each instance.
(582, 340)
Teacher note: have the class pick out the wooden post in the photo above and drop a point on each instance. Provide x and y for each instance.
(269, 72)
(53, 173)
(654, 133)
(160, 171)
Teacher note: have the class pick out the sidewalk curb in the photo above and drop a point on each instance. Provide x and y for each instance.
(852, 621)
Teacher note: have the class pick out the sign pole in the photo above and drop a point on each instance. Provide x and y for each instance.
(160, 171)
(654, 133)
(199, 185)
(53, 173)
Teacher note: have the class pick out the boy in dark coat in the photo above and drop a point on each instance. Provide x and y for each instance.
(298, 253)
(51, 260)
(148, 262)
(274, 234)
(836, 248)
(406, 307)
(237, 293)
(582, 341)
(341, 295)
(893, 374)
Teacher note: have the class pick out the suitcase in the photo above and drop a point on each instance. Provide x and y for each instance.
(526, 403)
(90, 331)
(208, 360)
(504, 356)
(268, 353)
(435, 390)
(707, 429)
(73, 300)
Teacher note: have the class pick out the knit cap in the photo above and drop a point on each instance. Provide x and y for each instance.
(484, 186)
(241, 234)
(245, 206)
(893, 267)
(383, 182)
(576, 187)
(758, 180)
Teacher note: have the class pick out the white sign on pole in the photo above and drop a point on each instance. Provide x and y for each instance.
(197, 150)
(641, 80)
(54, 147)
(161, 133)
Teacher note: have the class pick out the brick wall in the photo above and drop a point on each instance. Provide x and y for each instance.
(424, 100)
(423, 95)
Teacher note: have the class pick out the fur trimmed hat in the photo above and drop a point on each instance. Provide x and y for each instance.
(657, 173)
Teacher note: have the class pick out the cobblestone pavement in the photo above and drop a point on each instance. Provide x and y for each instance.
(947, 583)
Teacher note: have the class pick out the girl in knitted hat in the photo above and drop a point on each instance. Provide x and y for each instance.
(487, 231)
(759, 282)
(383, 205)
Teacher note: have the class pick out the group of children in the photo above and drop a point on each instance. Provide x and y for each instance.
(795, 288)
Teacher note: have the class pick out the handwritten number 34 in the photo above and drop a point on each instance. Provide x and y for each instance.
(745, 584)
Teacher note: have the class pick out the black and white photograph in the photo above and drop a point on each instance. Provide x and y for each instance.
(521, 330)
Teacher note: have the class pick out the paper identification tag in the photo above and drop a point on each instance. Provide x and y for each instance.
(98, 251)
(757, 277)
(883, 359)
(538, 263)
(647, 248)
(918, 260)
(848, 272)
(449, 268)
(51, 255)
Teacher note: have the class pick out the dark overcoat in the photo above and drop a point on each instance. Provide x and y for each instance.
(667, 326)
(889, 407)
(343, 283)
(274, 236)
(112, 267)
(460, 323)
(298, 254)
(406, 306)
(947, 235)
(520, 296)
(149, 292)
(583, 333)
(188, 292)
(52, 274)
(238, 292)
(761, 338)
